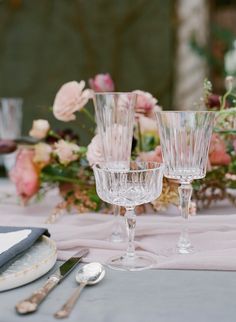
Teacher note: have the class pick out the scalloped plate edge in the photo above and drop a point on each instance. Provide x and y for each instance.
(32, 272)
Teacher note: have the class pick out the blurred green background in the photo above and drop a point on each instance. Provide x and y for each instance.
(45, 43)
(49, 42)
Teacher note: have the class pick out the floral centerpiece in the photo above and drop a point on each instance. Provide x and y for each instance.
(220, 180)
(57, 159)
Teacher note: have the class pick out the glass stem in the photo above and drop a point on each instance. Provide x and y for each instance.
(185, 193)
(131, 224)
(117, 228)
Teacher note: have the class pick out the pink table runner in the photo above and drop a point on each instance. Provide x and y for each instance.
(214, 236)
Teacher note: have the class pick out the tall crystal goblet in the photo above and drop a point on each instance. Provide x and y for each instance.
(115, 122)
(185, 139)
(139, 184)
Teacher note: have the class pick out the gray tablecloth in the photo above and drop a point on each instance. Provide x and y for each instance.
(148, 296)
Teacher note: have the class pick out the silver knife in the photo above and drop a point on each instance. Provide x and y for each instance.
(31, 304)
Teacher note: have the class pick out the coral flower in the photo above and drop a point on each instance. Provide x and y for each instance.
(25, 175)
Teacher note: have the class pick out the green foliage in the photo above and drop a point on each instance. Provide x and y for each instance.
(57, 172)
(79, 174)
(223, 36)
(149, 142)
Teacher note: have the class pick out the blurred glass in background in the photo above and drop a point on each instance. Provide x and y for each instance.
(10, 125)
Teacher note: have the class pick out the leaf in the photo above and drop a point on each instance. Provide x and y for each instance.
(59, 173)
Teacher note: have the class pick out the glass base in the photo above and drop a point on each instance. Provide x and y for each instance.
(184, 245)
(117, 238)
(127, 263)
(184, 250)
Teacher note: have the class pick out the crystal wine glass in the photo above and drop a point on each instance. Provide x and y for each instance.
(115, 121)
(139, 184)
(185, 139)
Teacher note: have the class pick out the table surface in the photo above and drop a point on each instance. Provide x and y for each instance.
(154, 295)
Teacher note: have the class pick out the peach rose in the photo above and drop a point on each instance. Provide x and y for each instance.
(25, 175)
(102, 83)
(66, 151)
(152, 156)
(42, 153)
(94, 153)
(70, 98)
(146, 103)
(217, 151)
(115, 137)
(40, 129)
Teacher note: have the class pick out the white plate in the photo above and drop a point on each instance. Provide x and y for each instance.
(37, 261)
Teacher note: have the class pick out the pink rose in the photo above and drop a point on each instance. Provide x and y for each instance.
(95, 153)
(152, 156)
(25, 175)
(146, 103)
(217, 151)
(66, 151)
(115, 137)
(102, 83)
(70, 98)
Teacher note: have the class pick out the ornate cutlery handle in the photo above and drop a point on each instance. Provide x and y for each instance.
(68, 306)
(31, 304)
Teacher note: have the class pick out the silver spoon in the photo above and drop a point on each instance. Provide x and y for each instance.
(89, 274)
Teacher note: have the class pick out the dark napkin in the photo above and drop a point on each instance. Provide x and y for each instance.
(8, 256)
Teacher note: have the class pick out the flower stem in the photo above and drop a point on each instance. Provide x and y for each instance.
(224, 98)
(89, 115)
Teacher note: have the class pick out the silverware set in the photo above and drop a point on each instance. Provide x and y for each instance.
(89, 274)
